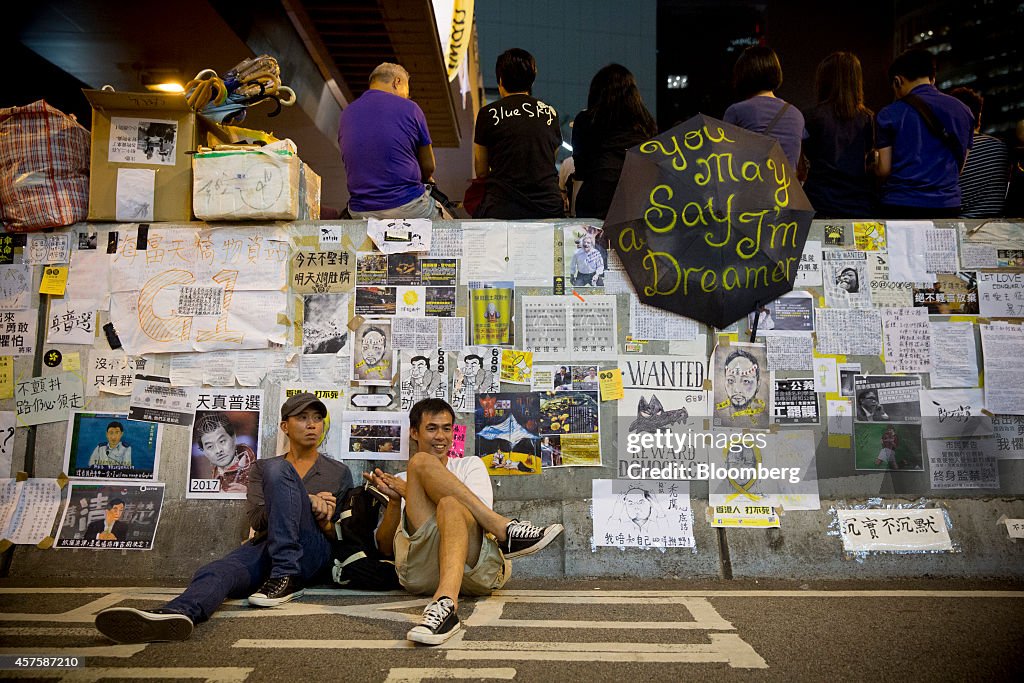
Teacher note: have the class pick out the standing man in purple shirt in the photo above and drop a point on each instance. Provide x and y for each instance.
(386, 149)
(921, 161)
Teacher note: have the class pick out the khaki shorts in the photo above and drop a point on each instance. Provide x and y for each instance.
(416, 559)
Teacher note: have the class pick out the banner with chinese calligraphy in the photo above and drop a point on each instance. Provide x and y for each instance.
(219, 288)
(910, 530)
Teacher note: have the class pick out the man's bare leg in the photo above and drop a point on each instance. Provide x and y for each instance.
(428, 481)
(461, 540)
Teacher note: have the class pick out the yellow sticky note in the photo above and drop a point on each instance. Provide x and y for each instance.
(72, 362)
(840, 441)
(6, 377)
(611, 384)
(55, 280)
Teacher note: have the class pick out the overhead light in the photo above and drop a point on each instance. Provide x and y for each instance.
(162, 80)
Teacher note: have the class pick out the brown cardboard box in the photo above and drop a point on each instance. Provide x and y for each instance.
(151, 131)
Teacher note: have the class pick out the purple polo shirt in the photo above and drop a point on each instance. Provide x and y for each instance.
(379, 135)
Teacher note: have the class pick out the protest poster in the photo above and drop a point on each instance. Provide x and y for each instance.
(110, 446)
(225, 442)
(642, 514)
(111, 516)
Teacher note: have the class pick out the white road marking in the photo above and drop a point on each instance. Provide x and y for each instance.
(220, 674)
(417, 675)
(47, 631)
(308, 644)
(488, 613)
(122, 651)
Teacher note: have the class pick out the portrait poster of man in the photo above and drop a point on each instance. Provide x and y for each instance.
(225, 443)
(424, 374)
(476, 370)
(110, 446)
(333, 398)
(742, 386)
(586, 258)
(111, 516)
(492, 305)
(508, 432)
(373, 358)
(887, 398)
(324, 323)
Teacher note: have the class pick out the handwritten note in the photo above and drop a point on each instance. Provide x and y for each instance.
(48, 399)
(849, 331)
(907, 340)
(1001, 295)
(18, 333)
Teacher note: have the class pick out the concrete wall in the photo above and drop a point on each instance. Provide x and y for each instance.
(192, 532)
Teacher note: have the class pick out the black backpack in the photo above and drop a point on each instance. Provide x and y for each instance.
(357, 562)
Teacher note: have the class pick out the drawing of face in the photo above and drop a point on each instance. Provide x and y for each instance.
(848, 280)
(638, 507)
(374, 344)
(218, 446)
(419, 369)
(492, 310)
(472, 367)
(741, 376)
(114, 435)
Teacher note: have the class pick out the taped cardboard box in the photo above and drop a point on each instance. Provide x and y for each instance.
(140, 169)
(247, 183)
(309, 194)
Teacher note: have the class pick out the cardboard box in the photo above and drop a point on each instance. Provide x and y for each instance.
(141, 144)
(309, 194)
(247, 184)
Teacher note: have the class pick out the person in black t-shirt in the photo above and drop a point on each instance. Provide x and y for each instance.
(514, 146)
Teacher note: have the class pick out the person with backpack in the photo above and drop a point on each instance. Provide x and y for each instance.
(923, 141)
(440, 526)
(290, 502)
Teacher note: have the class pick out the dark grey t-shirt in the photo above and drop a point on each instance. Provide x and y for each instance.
(325, 475)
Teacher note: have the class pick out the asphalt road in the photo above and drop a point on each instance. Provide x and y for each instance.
(552, 631)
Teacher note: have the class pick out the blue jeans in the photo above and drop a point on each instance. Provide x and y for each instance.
(294, 546)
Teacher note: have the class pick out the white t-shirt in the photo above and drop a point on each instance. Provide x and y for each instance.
(472, 472)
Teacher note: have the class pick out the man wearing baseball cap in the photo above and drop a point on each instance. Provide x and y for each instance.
(289, 503)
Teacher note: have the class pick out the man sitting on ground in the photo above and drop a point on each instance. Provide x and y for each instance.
(290, 501)
(441, 529)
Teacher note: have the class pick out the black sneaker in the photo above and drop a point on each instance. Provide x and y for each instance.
(277, 591)
(440, 622)
(525, 538)
(130, 625)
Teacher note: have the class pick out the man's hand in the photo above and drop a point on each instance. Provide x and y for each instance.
(391, 486)
(323, 505)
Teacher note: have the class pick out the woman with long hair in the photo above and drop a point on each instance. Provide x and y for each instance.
(756, 76)
(840, 139)
(615, 120)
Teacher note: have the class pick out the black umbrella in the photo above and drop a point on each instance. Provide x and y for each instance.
(710, 220)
